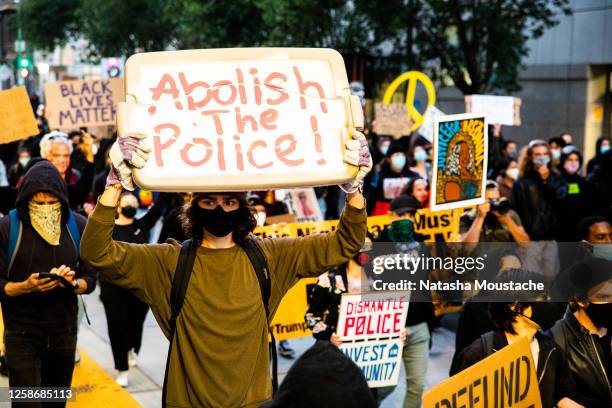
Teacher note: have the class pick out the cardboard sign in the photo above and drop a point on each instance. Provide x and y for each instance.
(504, 110)
(240, 119)
(460, 160)
(427, 127)
(369, 325)
(16, 116)
(507, 378)
(391, 119)
(288, 322)
(303, 204)
(74, 104)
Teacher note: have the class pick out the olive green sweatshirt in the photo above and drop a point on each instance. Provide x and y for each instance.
(219, 355)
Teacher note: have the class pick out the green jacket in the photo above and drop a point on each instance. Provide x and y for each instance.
(219, 355)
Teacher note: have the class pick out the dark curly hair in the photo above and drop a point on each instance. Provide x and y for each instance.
(241, 231)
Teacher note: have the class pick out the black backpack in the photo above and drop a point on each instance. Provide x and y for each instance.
(180, 283)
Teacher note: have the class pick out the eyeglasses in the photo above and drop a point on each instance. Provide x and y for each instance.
(210, 203)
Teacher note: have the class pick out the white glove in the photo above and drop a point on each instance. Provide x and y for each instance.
(127, 152)
(357, 154)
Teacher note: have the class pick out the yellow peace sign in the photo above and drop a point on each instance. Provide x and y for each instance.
(412, 77)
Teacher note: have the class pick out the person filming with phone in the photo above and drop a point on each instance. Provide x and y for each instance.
(40, 277)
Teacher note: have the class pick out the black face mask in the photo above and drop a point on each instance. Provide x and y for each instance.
(218, 222)
(544, 314)
(600, 314)
(129, 212)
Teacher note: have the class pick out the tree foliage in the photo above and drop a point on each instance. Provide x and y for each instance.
(216, 24)
(46, 24)
(479, 44)
(119, 27)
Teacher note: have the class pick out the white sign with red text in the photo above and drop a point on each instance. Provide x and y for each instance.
(370, 325)
(240, 119)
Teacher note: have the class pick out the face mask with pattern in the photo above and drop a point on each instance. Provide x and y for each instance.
(46, 220)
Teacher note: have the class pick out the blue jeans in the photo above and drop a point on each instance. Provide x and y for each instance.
(415, 355)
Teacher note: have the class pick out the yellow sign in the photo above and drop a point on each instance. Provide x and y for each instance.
(506, 378)
(16, 115)
(288, 322)
(413, 77)
(375, 225)
(433, 226)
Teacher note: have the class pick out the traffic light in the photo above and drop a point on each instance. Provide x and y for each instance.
(24, 64)
(23, 61)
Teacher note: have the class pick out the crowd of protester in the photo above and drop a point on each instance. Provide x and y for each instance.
(539, 193)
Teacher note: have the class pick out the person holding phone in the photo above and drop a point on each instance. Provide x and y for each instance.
(40, 277)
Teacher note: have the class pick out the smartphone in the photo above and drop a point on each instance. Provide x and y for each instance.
(55, 276)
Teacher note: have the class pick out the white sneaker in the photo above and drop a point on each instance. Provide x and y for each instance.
(122, 378)
(132, 359)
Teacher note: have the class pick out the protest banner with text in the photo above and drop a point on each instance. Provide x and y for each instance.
(432, 226)
(240, 119)
(370, 325)
(16, 116)
(74, 104)
(460, 161)
(506, 378)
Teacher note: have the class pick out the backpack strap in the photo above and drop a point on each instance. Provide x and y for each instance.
(260, 266)
(14, 237)
(73, 230)
(180, 282)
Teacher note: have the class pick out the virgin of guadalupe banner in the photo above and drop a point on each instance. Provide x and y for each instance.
(460, 158)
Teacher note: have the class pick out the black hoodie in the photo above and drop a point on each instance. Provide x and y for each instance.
(55, 311)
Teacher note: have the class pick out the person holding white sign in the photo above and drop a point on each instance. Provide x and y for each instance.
(219, 342)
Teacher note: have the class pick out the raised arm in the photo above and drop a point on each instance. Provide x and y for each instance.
(293, 258)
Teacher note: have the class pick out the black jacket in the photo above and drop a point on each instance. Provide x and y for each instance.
(79, 187)
(585, 365)
(538, 204)
(600, 181)
(551, 371)
(55, 311)
(577, 204)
